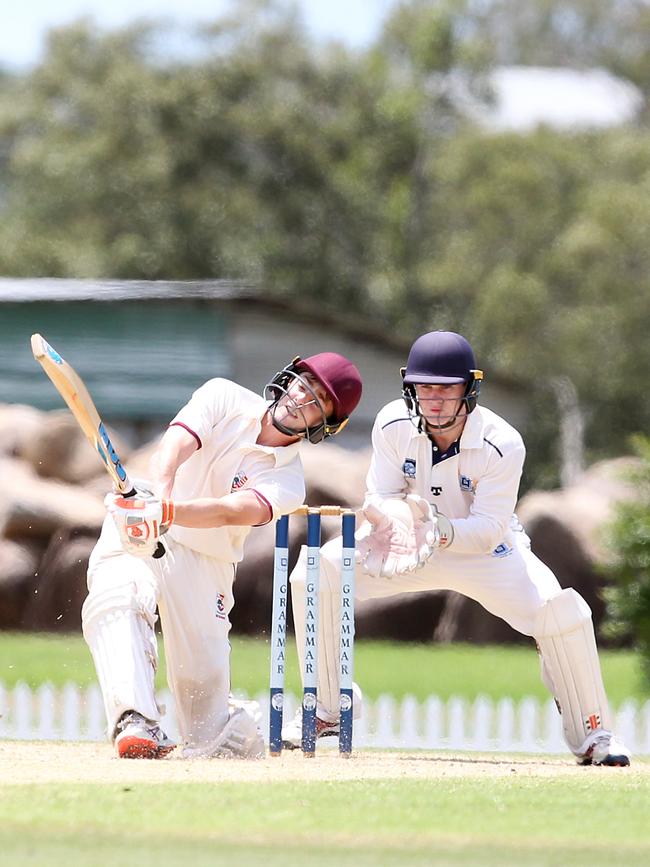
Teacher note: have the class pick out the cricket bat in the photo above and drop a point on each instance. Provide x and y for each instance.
(73, 391)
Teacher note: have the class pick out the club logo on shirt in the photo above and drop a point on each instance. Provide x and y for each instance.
(502, 550)
(238, 482)
(467, 484)
(221, 607)
(409, 468)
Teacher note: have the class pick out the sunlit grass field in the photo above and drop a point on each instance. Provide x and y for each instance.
(505, 811)
(380, 667)
(591, 818)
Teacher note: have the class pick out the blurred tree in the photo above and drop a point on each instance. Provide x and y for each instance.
(92, 153)
(545, 263)
(354, 184)
(628, 593)
(571, 33)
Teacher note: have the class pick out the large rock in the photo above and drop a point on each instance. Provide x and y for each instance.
(58, 449)
(18, 566)
(334, 475)
(60, 585)
(18, 424)
(580, 513)
(568, 527)
(34, 507)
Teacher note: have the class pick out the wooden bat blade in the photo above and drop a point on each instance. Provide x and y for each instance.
(73, 391)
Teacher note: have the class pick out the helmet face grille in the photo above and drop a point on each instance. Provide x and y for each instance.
(337, 374)
(279, 386)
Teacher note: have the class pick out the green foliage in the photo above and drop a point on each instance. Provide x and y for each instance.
(573, 33)
(357, 184)
(628, 597)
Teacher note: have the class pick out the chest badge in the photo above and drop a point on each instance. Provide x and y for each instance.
(467, 484)
(238, 482)
(408, 468)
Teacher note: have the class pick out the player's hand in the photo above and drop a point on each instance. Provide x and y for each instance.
(426, 528)
(400, 538)
(140, 521)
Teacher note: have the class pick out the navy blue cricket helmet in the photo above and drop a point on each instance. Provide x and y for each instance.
(444, 358)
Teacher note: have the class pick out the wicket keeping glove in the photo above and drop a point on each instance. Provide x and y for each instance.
(401, 538)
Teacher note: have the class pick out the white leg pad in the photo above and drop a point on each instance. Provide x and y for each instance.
(119, 630)
(570, 668)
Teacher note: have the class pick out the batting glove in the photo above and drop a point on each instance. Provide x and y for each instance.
(140, 521)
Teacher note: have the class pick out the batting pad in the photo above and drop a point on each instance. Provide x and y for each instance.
(328, 631)
(565, 636)
(119, 632)
(329, 622)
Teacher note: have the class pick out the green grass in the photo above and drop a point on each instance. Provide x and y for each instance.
(597, 819)
(380, 667)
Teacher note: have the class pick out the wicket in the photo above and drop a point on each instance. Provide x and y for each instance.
(279, 629)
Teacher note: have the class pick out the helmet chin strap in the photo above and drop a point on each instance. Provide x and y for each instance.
(416, 416)
(412, 402)
(432, 426)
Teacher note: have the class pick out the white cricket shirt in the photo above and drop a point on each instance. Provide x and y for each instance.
(476, 488)
(225, 420)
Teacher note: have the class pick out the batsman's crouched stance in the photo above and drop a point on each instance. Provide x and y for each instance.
(436, 445)
(228, 461)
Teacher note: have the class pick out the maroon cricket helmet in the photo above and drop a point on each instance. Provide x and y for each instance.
(340, 377)
(341, 380)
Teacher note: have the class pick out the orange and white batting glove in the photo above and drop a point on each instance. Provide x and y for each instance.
(140, 521)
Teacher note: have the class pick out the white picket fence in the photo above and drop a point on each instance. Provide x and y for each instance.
(527, 726)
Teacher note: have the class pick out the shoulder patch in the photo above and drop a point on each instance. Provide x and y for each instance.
(408, 468)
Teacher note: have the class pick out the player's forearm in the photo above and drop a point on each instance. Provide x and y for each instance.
(175, 448)
(242, 509)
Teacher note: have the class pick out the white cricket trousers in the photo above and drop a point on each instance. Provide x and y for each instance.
(194, 596)
(513, 586)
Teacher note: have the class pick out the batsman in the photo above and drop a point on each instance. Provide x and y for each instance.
(228, 461)
(441, 491)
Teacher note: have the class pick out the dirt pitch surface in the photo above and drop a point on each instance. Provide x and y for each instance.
(24, 762)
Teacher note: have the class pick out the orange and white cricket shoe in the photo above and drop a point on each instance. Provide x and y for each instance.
(140, 738)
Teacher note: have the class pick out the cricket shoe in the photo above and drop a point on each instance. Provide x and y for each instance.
(240, 738)
(602, 748)
(292, 731)
(140, 738)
